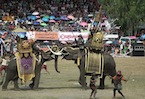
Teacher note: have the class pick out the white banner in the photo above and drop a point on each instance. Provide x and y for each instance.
(70, 36)
(31, 35)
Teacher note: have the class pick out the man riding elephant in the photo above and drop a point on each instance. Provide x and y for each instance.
(91, 58)
(26, 65)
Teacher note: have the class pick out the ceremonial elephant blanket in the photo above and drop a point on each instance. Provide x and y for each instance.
(25, 66)
(94, 63)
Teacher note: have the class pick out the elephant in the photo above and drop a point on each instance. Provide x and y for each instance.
(12, 71)
(109, 64)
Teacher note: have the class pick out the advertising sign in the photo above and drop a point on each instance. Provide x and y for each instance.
(46, 35)
(70, 36)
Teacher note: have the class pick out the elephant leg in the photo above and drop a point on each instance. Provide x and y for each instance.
(16, 87)
(37, 78)
(4, 86)
(102, 82)
(36, 82)
(80, 75)
(82, 78)
(32, 84)
(8, 77)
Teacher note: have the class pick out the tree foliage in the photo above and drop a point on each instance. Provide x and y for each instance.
(130, 13)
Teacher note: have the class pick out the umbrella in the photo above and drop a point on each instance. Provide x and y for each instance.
(39, 20)
(24, 19)
(52, 21)
(104, 18)
(36, 23)
(29, 22)
(45, 19)
(43, 24)
(103, 24)
(37, 16)
(70, 17)
(71, 22)
(95, 23)
(52, 17)
(108, 42)
(32, 17)
(132, 37)
(63, 17)
(20, 20)
(142, 37)
(46, 16)
(35, 13)
(83, 23)
(90, 15)
(57, 18)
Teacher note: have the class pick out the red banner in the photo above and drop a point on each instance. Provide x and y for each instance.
(46, 35)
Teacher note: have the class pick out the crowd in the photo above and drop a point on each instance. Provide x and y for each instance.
(52, 15)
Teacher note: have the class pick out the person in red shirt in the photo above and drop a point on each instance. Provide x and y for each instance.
(117, 83)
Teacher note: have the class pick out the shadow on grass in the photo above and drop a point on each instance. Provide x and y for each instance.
(26, 88)
(43, 88)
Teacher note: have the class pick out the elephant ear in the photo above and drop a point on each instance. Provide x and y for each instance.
(71, 53)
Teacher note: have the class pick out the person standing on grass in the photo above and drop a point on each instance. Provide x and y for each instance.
(117, 83)
(93, 85)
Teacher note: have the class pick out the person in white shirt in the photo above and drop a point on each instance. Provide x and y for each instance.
(4, 64)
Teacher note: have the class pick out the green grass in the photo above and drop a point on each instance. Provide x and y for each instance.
(64, 85)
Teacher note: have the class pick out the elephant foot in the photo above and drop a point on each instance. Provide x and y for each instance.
(100, 87)
(35, 88)
(17, 89)
(31, 85)
(84, 86)
(4, 88)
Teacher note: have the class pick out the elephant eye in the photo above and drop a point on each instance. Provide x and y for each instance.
(96, 40)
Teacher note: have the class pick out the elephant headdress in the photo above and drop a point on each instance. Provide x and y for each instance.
(25, 61)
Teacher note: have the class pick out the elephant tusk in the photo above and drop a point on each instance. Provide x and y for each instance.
(39, 59)
(36, 59)
(55, 53)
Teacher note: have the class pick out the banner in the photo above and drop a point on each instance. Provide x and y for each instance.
(46, 35)
(70, 36)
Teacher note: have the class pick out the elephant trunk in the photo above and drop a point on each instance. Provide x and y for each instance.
(56, 65)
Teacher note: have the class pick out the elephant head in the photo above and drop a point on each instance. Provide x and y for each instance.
(70, 53)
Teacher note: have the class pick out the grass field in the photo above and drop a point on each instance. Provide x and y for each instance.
(65, 85)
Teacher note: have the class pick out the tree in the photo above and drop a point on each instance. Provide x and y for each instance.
(130, 13)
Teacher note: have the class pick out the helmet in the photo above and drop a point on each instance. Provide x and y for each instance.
(80, 35)
(119, 73)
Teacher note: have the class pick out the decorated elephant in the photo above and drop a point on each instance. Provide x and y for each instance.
(27, 66)
(90, 59)
(81, 57)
